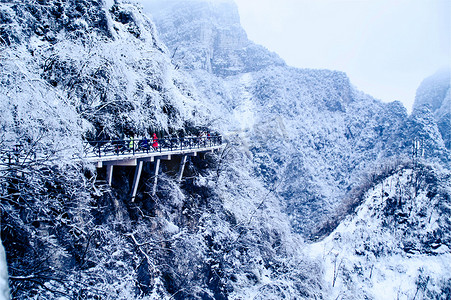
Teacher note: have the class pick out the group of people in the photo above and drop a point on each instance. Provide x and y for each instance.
(204, 136)
(144, 143)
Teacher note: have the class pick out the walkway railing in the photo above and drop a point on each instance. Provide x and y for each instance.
(18, 155)
(135, 146)
(104, 148)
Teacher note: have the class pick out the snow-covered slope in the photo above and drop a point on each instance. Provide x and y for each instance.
(103, 62)
(297, 142)
(397, 243)
(79, 70)
(311, 134)
(435, 93)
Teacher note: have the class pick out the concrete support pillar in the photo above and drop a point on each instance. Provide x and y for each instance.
(157, 169)
(109, 174)
(138, 171)
(182, 168)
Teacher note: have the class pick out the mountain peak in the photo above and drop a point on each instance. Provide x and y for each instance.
(432, 90)
(207, 35)
(435, 93)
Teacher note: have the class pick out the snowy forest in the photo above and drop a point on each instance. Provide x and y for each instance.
(318, 191)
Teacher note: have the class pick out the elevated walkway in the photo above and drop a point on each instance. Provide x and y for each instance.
(134, 153)
(131, 153)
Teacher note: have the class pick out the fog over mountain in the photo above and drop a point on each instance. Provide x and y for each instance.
(435, 94)
(311, 132)
(320, 191)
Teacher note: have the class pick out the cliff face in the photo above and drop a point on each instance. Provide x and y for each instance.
(207, 35)
(311, 134)
(397, 243)
(297, 142)
(434, 93)
(77, 70)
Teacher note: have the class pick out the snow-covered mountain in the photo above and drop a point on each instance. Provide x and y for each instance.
(76, 70)
(299, 143)
(396, 245)
(311, 134)
(209, 37)
(435, 93)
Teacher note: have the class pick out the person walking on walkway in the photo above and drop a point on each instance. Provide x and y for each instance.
(131, 144)
(155, 141)
(144, 144)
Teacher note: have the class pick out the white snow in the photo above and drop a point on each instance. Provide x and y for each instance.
(4, 289)
(348, 253)
(245, 112)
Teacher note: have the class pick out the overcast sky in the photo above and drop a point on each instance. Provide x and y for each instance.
(387, 47)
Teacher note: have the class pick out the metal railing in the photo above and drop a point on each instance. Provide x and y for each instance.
(18, 156)
(136, 146)
(11, 156)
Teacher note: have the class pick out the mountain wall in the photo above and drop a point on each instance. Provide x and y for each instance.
(80, 70)
(312, 136)
(434, 93)
(396, 243)
(209, 37)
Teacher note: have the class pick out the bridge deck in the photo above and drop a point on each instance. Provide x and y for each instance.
(129, 152)
(111, 158)
(135, 153)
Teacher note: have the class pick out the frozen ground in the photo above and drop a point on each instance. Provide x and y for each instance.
(365, 256)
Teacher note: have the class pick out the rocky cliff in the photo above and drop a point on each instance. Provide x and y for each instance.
(311, 134)
(434, 93)
(80, 70)
(299, 143)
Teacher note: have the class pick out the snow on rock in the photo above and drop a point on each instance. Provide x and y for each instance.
(310, 132)
(4, 288)
(244, 113)
(388, 248)
(435, 93)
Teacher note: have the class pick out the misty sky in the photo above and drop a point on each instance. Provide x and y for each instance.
(387, 47)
